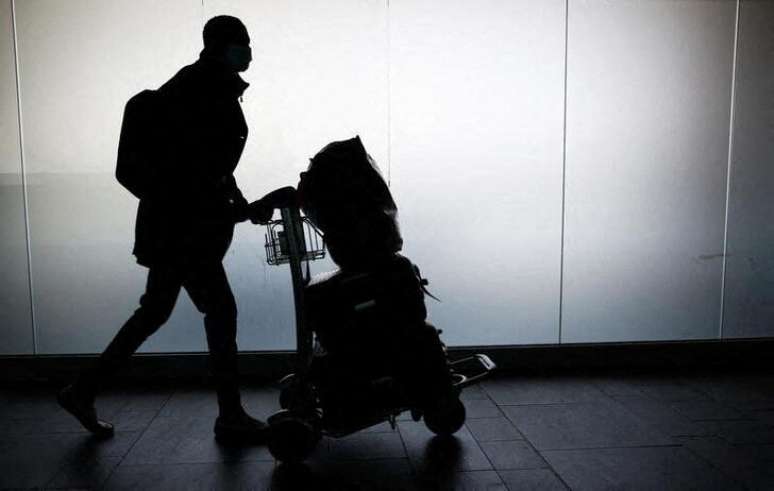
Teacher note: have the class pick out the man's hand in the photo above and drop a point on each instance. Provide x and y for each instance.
(282, 197)
(260, 212)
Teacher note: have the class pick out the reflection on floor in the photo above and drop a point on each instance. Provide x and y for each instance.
(549, 431)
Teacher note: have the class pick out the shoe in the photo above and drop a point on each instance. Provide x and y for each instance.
(84, 412)
(240, 428)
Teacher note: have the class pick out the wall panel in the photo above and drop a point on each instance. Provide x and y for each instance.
(462, 106)
(15, 316)
(79, 63)
(749, 292)
(317, 76)
(476, 152)
(648, 95)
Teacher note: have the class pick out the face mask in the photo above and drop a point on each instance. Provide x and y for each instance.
(239, 57)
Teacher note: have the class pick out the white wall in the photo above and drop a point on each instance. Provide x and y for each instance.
(463, 106)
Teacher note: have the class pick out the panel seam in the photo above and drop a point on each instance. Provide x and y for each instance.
(25, 196)
(728, 173)
(564, 168)
(389, 96)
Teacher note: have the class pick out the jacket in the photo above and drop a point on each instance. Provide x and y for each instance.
(189, 213)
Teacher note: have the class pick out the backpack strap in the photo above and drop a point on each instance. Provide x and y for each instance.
(423, 282)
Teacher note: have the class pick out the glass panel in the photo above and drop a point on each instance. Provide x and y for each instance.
(15, 318)
(462, 106)
(79, 63)
(476, 125)
(318, 75)
(647, 139)
(749, 302)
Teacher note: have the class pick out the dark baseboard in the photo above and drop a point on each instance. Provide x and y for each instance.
(264, 367)
(681, 356)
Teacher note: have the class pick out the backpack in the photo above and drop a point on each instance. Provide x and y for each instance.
(139, 146)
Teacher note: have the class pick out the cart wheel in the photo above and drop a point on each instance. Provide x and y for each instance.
(297, 397)
(458, 378)
(445, 417)
(286, 390)
(287, 395)
(292, 439)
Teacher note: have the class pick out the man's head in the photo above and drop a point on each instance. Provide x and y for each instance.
(226, 39)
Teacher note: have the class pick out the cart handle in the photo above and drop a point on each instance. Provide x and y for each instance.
(484, 360)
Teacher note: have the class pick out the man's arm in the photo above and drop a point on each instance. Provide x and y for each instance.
(239, 207)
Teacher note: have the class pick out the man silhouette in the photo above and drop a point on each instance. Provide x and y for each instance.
(185, 222)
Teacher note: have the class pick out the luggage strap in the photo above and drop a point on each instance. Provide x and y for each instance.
(423, 282)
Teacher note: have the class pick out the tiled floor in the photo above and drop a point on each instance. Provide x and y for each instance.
(546, 432)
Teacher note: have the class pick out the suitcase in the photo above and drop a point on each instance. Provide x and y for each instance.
(349, 310)
(376, 321)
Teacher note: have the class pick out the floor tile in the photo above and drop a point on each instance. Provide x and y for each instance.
(59, 421)
(707, 410)
(473, 392)
(541, 390)
(700, 430)
(260, 401)
(202, 402)
(586, 425)
(191, 402)
(751, 465)
(663, 416)
(41, 402)
(27, 462)
(481, 408)
(35, 412)
(86, 447)
(187, 440)
(150, 399)
(765, 416)
(672, 392)
(745, 432)
(493, 429)
(512, 455)
(31, 462)
(366, 446)
(748, 407)
(746, 390)
(55, 421)
(85, 474)
(383, 427)
(616, 385)
(431, 454)
(532, 480)
(378, 475)
(184, 477)
(132, 420)
(465, 481)
(116, 399)
(642, 468)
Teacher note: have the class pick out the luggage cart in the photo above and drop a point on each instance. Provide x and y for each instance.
(295, 430)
